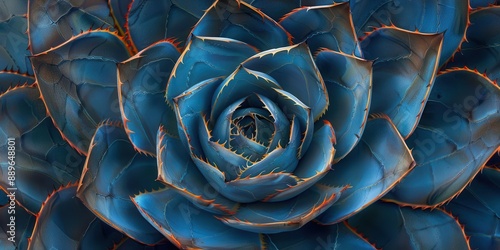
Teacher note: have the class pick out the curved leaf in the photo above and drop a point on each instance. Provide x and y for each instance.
(481, 49)
(348, 81)
(165, 19)
(52, 22)
(23, 223)
(185, 225)
(478, 207)
(430, 16)
(372, 168)
(130, 244)
(283, 216)
(389, 226)
(294, 70)
(314, 236)
(276, 9)
(43, 161)
(9, 79)
(14, 45)
(403, 75)
(238, 20)
(457, 134)
(176, 169)
(141, 88)
(205, 58)
(65, 223)
(78, 84)
(114, 172)
(327, 26)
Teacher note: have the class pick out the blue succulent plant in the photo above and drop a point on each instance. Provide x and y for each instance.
(231, 124)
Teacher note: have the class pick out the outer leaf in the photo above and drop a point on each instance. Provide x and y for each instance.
(240, 21)
(43, 160)
(294, 70)
(430, 16)
(52, 22)
(113, 173)
(372, 168)
(349, 83)
(23, 224)
(481, 49)
(119, 10)
(78, 84)
(276, 9)
(14, 45)
(185, 225)
(9, 79)
(142, 82)
(478, 207)
(402, 76)
(314, 236)
(164, 19)
(205, 58)
(392, 227)
(327, 26)
(12, 8)
(65, 223)
(457, 134)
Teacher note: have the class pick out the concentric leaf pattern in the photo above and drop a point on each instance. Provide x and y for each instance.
(249, 124)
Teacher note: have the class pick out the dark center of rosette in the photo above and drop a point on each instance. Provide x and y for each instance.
(247, 133)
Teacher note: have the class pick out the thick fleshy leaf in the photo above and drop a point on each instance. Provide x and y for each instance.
(294, 70)
(52, 22)
(276, 9)
(314, 236)
(119, 10)
(293, 107)
(164, 19)
(349, 83)
(142, 82)
(9, 79)
(22, 224)
(114, 172)
(238, 20)
(481, 49)
(457, 134)
(327, 26)
(372, 168)
(430, 16)
(42, 160)
(403, 75)
(189, 108)
(245, 190)
(313, 166)
(12, 8)
(478, 209)
(390, 226)
(14, 45)
(65, 223)
(78, 84)
(240, 84)
(288, 215)
(205, 58)
(185, 225)
(176, 169)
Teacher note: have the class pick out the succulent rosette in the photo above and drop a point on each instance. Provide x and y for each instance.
(249, 124)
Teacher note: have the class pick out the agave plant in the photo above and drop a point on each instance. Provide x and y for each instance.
(231, 124)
